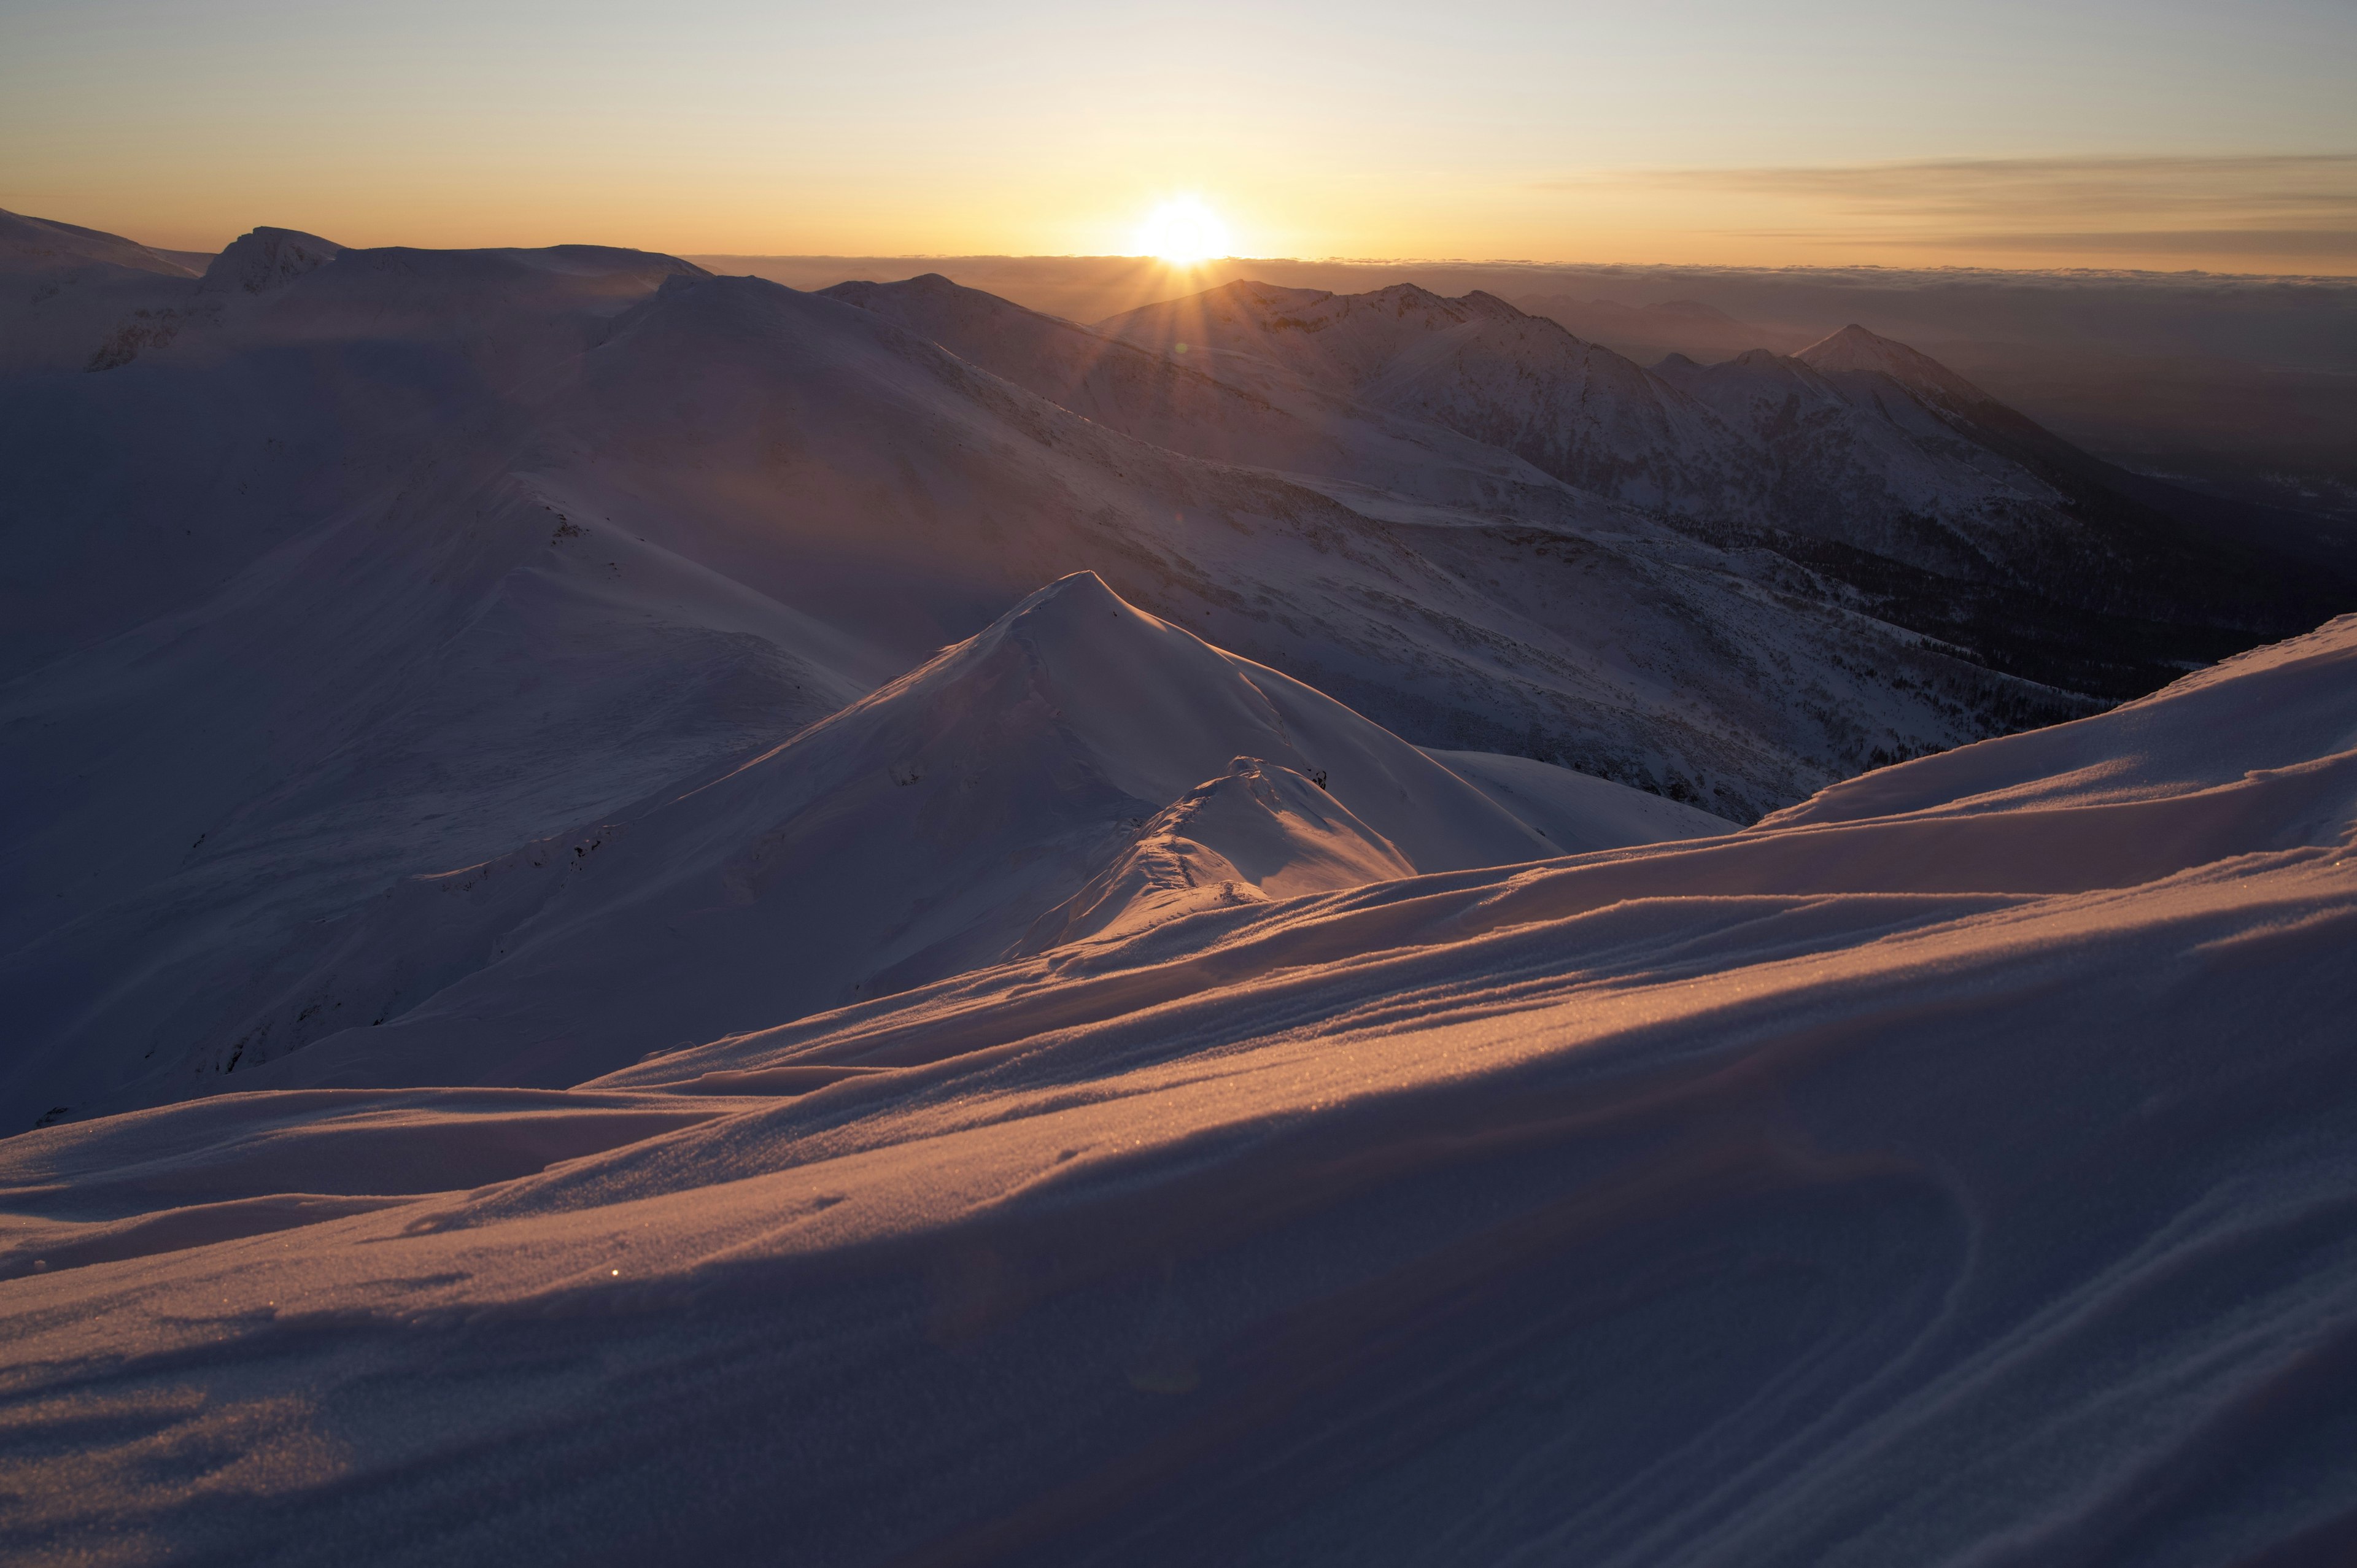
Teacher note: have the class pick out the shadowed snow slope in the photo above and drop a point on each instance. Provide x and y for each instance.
(917, 834)
(1574, 813)
(1956, 1170)
(37, 245)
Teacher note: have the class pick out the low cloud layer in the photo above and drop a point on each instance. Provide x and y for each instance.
(2272, 206)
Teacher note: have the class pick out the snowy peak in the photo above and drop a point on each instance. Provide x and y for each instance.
(265, 259)
(926, 830)
(1855, 348)
(1756, 373)
(1155, 709)
(1260, 296)
(1069, 611)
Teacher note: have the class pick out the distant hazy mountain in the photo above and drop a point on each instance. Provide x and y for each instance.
(1861, 458)
(2245, 387)
(1290, 425)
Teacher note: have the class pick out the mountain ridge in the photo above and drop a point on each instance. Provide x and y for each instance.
(414, 557)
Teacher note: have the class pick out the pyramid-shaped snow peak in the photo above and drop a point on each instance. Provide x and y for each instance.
(919, 833)
(1855, 348)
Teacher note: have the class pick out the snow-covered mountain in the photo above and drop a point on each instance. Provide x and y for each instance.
(64, 288)
(1475, 365)
(402, 561)
(1290, 424)
(1953, 1168)
(384, 564)
(1043, 777)
(1859, 459)
(1868, 458)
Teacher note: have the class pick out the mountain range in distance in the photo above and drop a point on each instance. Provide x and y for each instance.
(478, 558)
(2244, 388)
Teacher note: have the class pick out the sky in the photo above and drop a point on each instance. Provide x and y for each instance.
(2161, 135)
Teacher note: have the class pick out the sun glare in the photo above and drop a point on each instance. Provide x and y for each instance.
(1183, 231)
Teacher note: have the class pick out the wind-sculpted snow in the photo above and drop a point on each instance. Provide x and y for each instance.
(1954, 1170)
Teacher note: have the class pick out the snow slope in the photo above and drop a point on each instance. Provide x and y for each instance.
(919, 833)
(1578, 813)
(413, 558)
(1954, 1170)
(37, 246)
(64, 289)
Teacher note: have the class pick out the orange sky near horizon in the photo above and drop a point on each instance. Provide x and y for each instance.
(1992, 132)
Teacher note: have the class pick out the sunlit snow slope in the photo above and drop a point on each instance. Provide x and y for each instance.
(1959, 1169)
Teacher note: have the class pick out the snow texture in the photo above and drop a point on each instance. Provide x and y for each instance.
(1953, 1169)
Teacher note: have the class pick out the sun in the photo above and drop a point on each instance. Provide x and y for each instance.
(1183, 231)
